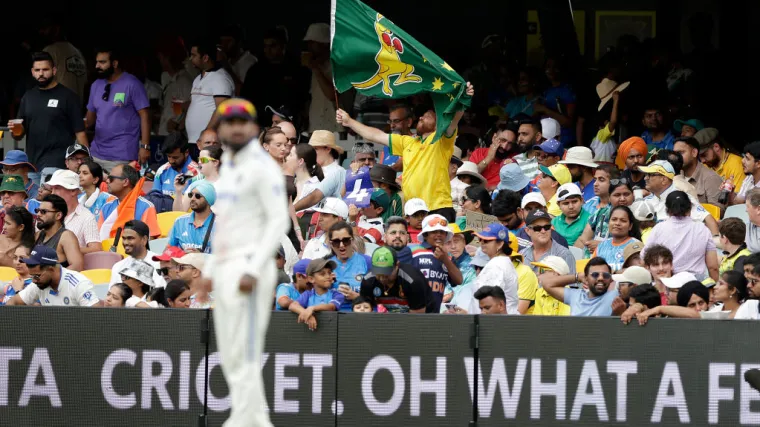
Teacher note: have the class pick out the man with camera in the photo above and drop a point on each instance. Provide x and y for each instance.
(178, 167)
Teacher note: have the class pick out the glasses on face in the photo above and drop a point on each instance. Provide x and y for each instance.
(45, 211)
(396, 121)
(604, 275)
(614, 182)
(106, 92)
(163, 271)
(204, 160)
(114, 177)
(540, 228)
(464, 200)
(346, 241)
(183, 267)
(196, 195)
(438, 221)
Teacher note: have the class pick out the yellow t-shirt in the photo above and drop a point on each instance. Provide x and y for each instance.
(732, 167)
(426, 168)
(645, 234)
(527, 284)
(547, 305)
(552, 206)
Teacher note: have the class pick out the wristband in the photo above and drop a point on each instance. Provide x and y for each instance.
(145, 146)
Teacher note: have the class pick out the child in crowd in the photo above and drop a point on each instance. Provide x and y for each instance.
(361, 305)
(22, 280)
(415, 210)
(286, 293)
(322, 297)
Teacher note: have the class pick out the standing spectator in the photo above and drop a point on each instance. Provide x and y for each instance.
(234, 55)
(90, 179)
(499, 271)
(119, 110)
(289, 292)
(579, 161)
(624, 231)
(706, 181)
(490, 160)
(331, 211)
(537, 225)
(121, 182)
(751, 165)
(135, 239)
(732, 234)
(604, 145)
(73, 68)
(596, 301)
(547, 305)
(657, 136)
(76, 154)
(691, 243)
(322, 91)
(80, 221)
(50, 216)
(632, 154)
(189, 269)
(179, 163)
(176, 83)
(398, 286)
(559, 100)
(17, 163)
(210, 88)
(432, 260)
(192, 232)
(322, 297)
(714, 154)
(573, 220)
(51, 114)
(425, 165)
(752, 239)
(334, 180)
(55, 285)
(351, 266)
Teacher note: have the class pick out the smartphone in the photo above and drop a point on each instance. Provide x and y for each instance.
(343, 287)
(450, 306)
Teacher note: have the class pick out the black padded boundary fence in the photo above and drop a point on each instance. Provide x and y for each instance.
(106, 367)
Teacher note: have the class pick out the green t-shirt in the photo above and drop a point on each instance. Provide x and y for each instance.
(571, 232)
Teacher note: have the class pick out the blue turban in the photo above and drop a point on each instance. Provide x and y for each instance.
(206, 189)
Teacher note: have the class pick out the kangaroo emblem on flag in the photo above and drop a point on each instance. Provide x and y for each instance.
(389, 62)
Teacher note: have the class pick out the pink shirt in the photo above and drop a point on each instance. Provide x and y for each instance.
(689, 242)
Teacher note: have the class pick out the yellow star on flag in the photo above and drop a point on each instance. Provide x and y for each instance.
(455, 84)
(447, 66)
(437, 83)
(451, 97)
(424, 59)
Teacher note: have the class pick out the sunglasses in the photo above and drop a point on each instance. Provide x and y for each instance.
(46, 211)
(540, 228)
(204, 160)
(346, 241)
(438, 221)
(196, 195)
(605, 275)
(615, 182)
(114, 177)
(106, 92)
(163, 271)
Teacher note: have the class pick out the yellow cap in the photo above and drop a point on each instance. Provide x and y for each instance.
(559, 172)
(660, 167)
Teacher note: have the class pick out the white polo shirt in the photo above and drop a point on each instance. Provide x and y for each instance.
(205, 87)
(74, 289)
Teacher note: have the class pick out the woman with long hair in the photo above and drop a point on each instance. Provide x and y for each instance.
(23, 279)
(352, 265)
(475, 199)
(90, 178)
(210, 160)
(117, 295)
(621, 194)
(275, 142)
(302, 176)
(624, 230)
(18, 230)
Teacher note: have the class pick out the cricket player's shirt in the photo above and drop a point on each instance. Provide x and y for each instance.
(434, 271)
(184, 234)
(351, 273)
(74, 289)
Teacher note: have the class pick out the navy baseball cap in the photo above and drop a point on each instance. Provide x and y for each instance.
(550, 146)
(300, 266)
(494, 231)
(537, 214)
(41, 255)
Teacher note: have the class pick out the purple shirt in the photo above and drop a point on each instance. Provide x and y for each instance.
(689, 242)
(117, 127)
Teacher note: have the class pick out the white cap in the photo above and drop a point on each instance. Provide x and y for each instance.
(550, 128)
(637, 275)
(579, 156)
(644, 210)
(533, 198)
(678, 280)
(65, 178)
(565, 191)
(435, 222)
(470, 169)
(555, 263)
(333, 206)
(413, 206)
(318, 32)
(197, 260)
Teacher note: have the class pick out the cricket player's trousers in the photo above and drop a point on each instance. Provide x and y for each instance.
(240, 322)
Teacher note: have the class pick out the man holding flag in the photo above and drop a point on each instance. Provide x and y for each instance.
(375, 57)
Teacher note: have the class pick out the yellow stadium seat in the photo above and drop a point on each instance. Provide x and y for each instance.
(712, 210)
(166, 221)
(580, 265)
(7, 274)
(107, 243)
(100, 276)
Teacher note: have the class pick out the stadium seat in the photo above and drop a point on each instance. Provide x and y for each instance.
(166, 221)
(580, 265)
(577, 253)
(158, 245)
(737, 211)
(98, 260)
(7, 274)
(712, 210)
(109, 242)
(99, 276)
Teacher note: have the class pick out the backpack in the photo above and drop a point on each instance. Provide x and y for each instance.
(162, 202)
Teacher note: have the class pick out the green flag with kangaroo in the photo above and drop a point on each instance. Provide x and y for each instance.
(372, 55)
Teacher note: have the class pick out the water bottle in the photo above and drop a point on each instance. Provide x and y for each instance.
(725, 189)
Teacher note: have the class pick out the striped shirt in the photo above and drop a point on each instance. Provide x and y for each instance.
(529, 167)
(83, 224)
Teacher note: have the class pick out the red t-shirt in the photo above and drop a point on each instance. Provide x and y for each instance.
(413, 233)
(491, 172)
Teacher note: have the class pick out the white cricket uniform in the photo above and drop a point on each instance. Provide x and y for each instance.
(74, 289)
(252, 215)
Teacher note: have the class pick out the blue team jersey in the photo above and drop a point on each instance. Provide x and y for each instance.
(165, 175)
(10, 292)
(351, 273)
(31, 190)
(97, 204)
(286, 290)
(310, 298)
(434, 271)
(32, 206)
(186, 235)
(612, 253)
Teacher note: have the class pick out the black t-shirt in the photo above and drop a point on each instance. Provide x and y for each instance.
(51, 118)
(640, 183)
(410, 292)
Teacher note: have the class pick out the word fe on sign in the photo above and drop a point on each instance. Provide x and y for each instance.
(358, 188)
(478, 221)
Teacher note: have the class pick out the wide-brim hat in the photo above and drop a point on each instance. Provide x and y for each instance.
(435, 222)
(384, 174)
(606, 88)
(17, 157)
(470, 169)
(13, 184)
(580, 156)
(324, 138)
(511, 177)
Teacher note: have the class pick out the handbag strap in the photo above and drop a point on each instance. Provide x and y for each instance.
(208, 233)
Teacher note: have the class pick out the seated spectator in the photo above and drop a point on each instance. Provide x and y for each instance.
(659, 261)
(134, 239)
(16, 162)
(370, 217)
(90, 179)
(511, 211)
(476, 199)
(632, 154)
(549, 152)
(491, 300)
(644, 211)
(631, 278)
(468, 174)
(352, 265)
(118, 295)
(457, 186)
(538, 225)
(456, 247)
(621, 194)
(288, 292)
(167, 267)
(601, 198)
(688, 128)
(32, 205)
(571, 223)
(624, 231)
(579, 161)
(121, 182)
(361, 305)
(194, 231)
(550, 180)
(53, 234)
(321, 297)
(397, 286)
(79, 220)
(397, 237)
(646, 295)
(76, 155)
(596, 301)
(331, 211)
(177, 294)
(499, 271)
(384, 177)
(210, 160)
(547, 305)
(732, 233)
(23, 279)
(415, 211)
(511, 178)
(714, 154)
(675, 283)
(18, 231)
(12, 193)
(632, 255)
(492, 159)
(430, 257)
(189, 269)
(527, 282)
(176, 149)
(55, 285)
(138, 275)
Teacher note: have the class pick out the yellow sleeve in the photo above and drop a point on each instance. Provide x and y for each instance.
(398, 143)
(604, 134)
(527, 283)
(448, 141)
